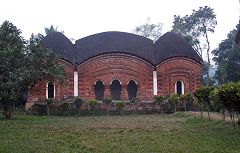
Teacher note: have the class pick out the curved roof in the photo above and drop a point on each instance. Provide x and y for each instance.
(114, 42)
(167, 46)
(173, 45)
(60, 44)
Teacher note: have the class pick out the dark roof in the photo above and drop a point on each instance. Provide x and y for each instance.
(114, 42)
(173, 45)
(167, 46)
(60, 44)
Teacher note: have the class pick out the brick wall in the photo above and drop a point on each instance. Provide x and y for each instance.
(178, 68)
(109, 67)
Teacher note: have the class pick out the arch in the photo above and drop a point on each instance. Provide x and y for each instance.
(115, 89)
(179, 87)
(99, 90)
(50, 90)
(132, 89)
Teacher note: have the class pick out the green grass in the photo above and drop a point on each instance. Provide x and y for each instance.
(180, 133)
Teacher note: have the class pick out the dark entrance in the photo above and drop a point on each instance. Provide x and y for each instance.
(132, 89)
(99, 90)
(115, 90)
(179, 87)
(50, 90)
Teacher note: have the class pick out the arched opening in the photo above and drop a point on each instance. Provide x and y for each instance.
(132, 89)
(50, 90)
(99, 90)
(115, 89)
(179, 88)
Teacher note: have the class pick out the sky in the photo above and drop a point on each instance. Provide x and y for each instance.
(80, 18)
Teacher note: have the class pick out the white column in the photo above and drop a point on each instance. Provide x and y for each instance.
(75, 84)
(154, 83)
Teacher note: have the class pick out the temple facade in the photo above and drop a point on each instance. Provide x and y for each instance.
(121, 66)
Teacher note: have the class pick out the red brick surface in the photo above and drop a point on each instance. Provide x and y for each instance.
(124, 68)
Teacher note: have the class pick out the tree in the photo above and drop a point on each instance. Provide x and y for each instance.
(149, 30)
(47, 31)
(196, 29)
(11, 68)
(78, 102)
(203, 97)
(186, 99)
(227, 59)
(22, 64)
(173, 98)
(229, 97)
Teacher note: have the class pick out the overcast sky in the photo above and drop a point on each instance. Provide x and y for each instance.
(80, 18)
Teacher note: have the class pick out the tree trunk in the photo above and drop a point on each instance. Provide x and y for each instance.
(223, 114)
(208, 114)
(208, 57)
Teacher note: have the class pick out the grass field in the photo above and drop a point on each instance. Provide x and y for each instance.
(179, 132)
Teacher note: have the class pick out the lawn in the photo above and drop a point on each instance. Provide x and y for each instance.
(180, 132)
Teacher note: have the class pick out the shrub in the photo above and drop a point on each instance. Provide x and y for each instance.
(229, 96)
(107, 100)
(202, 95)
(158, 99)
(78, 103)
(92, 102)
(173, 99)
(120, 105)
(186, 99)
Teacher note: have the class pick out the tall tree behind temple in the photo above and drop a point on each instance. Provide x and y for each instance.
(48, 30)
(149, 30)
(227, 58)
(196, 28)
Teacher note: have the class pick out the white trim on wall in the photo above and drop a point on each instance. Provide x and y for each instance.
(75, 84)
(155, 83)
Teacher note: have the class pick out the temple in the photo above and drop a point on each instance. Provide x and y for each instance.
(121, 66)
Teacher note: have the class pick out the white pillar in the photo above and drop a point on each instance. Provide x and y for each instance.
(154, 83)
(75, 84)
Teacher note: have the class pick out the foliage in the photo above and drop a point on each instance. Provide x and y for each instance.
(229, 96)
(49, 101)
(202, 95)
(65, 106)
(92, 102)
(186, 99)
(120, 105)
(173, 98)
(47, 31)
(158, 99)
(227, 59)
(149, 30)
(23, 64)
(195, 28)
(78, 102)
(107, 100)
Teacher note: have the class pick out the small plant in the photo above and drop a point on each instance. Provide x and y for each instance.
(78, 103)
(120, 105)
(158, 99)
(48, 102)
(186, 99)
(65, 107)
(92, 102)
(107, 101)
(173, 98)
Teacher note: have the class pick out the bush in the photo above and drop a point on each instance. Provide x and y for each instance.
(158, 99)
(202, 95)
(120, 105)
(107, 100)
(186, 99)
(229, 97)
(173, 99)
(92, 102)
